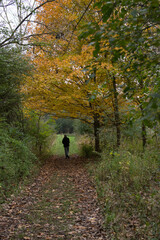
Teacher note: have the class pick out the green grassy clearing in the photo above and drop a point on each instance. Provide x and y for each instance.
(58, 148)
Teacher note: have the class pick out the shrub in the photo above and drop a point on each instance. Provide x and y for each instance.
(41, 129)
(85, 143)
(86, 150)
(137, 169)
(16, 159)
(127, 186)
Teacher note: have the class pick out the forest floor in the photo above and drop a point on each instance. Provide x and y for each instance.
(61, 203)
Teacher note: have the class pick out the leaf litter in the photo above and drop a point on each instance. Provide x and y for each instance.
(61, 203)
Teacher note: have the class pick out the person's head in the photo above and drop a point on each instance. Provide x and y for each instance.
(65, 135)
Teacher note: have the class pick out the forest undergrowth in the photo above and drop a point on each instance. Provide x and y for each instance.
(128, 188)
(61, 201)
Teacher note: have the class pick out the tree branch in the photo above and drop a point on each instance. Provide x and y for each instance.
(77, 25)
(3, 43)
(7, 5)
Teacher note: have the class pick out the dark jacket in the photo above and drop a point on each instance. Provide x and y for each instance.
(66, 141)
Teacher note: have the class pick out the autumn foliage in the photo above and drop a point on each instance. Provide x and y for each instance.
(68, 80)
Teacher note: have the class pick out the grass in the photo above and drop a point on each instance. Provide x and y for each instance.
(58, 148)
(128, 188)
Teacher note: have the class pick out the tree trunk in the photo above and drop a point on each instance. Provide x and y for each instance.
(96, 132)
(144, 132)
(116, 113)
(96, 123)
(144, 135)
(38, 143)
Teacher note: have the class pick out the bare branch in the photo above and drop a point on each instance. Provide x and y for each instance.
(7, 5)
(78, 24)
(6, 15)
(37, 22)
(6, 41)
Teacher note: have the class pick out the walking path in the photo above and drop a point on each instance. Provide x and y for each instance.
(60, 204)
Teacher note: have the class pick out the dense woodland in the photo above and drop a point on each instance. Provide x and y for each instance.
(88, 68)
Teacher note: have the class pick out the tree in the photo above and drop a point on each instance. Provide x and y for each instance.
(13, 69)
(82, 128)
(14, 28)
(71, 84)
(64, 125)
(65, 90)
(61, 78)
(129, 32)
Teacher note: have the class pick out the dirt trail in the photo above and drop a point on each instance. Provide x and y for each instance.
(60, 204)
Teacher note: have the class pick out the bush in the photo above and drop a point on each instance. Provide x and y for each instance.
(127, 185)
(82, 128)
(86, 150)
(138, 170)
(41, 129)
(16, 159)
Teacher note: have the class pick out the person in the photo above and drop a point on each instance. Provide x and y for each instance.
(66, 143)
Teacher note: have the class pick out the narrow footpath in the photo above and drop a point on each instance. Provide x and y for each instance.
(61, 203)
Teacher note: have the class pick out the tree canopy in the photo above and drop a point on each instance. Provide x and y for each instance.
(96, 61)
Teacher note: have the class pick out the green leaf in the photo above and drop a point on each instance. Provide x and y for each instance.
(93, 97)
(126, 89)
(92, 75)
(98, 35)
(134, 13)
(97, 49)
(154, 105)
(83, 35)
(148, 123)
(92, 43)
(107, 11)
(84, 70)
(155, 3)
(87, 81)
(98, 4)
(111, 40)
(123, 12)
